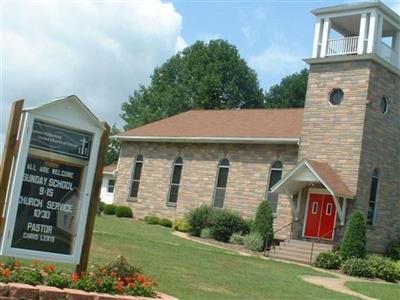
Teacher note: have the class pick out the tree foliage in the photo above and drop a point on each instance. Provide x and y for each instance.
(355, 237)
(113, 147)
(290, 92)
(263, 223)
(203, 76)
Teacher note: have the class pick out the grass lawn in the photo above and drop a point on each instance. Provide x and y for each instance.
(376, 290)
(189, 270)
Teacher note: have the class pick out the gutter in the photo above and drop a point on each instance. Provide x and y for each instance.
(229, 140)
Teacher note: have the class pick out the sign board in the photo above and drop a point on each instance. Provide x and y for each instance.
(51, 185)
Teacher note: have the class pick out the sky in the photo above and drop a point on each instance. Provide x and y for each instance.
(102, 51)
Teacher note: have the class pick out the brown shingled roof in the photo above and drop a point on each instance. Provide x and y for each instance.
(242, 123)
(330, 178)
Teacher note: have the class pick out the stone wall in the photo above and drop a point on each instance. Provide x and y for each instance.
(247, 179)
(381, 149)
(355, 137)
(333, 134)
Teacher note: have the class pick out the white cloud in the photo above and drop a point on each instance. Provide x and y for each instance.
(98, 51)
(276, 60)
(249, 34)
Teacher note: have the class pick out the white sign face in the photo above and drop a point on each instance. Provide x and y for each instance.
(50, 192)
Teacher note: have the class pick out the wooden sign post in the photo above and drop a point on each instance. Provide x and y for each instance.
(49, 187)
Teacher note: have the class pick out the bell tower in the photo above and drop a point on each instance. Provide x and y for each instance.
(352, 109)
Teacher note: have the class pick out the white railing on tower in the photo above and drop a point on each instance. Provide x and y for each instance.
(388, 54)
(347, 45)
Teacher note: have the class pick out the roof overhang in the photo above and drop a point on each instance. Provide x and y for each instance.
(308, 172)
(230, 140)
(346, 58)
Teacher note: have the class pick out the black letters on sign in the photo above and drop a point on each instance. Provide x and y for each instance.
(61, 140)
(48, 207)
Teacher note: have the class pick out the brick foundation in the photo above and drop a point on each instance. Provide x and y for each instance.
(14, 291)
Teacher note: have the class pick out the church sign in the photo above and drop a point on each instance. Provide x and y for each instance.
(50, 187)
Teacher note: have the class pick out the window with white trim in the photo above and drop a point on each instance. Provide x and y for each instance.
(373, 197)
(110, 186)
(175, 181)
(220, 185)
(136, 174)
(275, 175)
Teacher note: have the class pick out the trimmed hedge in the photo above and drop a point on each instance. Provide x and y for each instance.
(358, 267)
(123, 212)
(101, 205)
(165, 222)
(152, 220)
(109, 209)
(237, 239)
(263, 223)
(206, 233)
(181, 225)
(355, 238)
(393, 250)
(384, 268)
(254, 241)
(198, 219)
(224, 223)
(328, 260)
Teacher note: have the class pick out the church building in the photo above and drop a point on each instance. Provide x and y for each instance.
(316, 165)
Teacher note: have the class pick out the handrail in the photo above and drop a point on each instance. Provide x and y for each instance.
(319, 239)
(275, 231)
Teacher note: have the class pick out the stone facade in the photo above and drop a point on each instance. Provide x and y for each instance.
(355, 137)
(247, 179)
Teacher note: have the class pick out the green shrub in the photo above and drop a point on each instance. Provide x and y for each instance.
(59, 280)
(237, 239)
(123, 212)
(254, 241)
(383, 267)
(224, 223)
(165, 222)
(28, 276)
(206, 233)
(109, 209)
(198, 219)
(101, 205)
(358, 267)
(181, 225)
(393, 250)
(354, 241)
(263, 223)
(328, 260)
(249, 224)
(397, 265)
(152, 220)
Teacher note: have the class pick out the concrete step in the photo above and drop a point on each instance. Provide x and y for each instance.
(300, 243)
(299, 251)
(317, 247)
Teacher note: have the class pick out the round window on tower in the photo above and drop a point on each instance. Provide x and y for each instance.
(384, 105)
(336, 96)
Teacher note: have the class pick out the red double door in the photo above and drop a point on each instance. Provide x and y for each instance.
(321, 215)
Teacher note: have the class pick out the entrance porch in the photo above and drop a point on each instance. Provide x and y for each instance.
(318, 200)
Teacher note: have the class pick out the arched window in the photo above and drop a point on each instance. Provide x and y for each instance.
(175, 181)
(373, 197)
(220, 185)
(275, 175)
(136, 173)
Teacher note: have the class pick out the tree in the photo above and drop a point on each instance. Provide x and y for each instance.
(114, 147)
(355, 237)
(203, 76)
(290, 92)
(263, 223)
